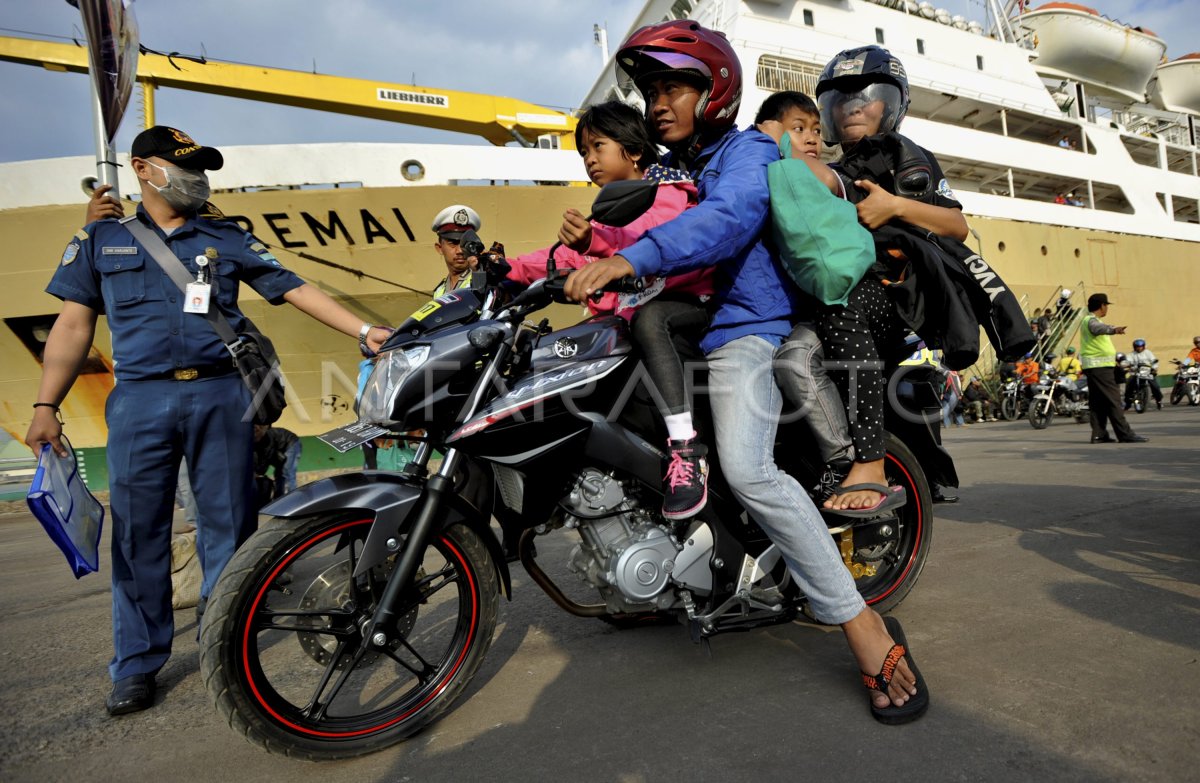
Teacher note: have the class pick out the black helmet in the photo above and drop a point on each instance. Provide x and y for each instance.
(860, 76)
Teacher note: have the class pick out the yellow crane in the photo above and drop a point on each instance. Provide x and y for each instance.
(495, 118)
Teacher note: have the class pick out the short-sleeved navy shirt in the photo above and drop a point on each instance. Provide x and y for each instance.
(105, 269)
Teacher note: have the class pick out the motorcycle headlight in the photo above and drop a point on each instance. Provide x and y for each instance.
(379, 395)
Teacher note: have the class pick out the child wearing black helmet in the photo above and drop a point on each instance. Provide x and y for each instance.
(863, 95)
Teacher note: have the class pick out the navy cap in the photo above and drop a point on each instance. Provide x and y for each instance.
(176, 146)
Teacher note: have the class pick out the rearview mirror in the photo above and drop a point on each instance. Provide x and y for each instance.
(624, 201)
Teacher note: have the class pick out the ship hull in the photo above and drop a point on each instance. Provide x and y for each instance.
(1155, 278)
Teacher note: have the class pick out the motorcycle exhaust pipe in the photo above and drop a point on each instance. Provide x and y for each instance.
(525, 549)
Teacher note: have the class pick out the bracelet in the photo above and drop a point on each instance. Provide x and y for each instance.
(46, 405)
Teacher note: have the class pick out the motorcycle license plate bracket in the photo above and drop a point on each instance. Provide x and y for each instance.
(343, 439)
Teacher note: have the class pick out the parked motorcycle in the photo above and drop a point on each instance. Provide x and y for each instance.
(364, 609)
(1140, 378)
(1013, 402)
(1056, 395)
(1187, 382)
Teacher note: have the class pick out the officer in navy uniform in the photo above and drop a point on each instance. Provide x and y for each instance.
(450, 225)
(177, 393)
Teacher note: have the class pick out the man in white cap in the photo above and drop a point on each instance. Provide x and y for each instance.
(450, 225)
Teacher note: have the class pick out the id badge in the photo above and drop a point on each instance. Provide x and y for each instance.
(196, 298)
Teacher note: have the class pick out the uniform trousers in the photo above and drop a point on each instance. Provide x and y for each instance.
(1104, 403)
(152, 425)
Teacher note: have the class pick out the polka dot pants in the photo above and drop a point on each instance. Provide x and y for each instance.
(853, 335)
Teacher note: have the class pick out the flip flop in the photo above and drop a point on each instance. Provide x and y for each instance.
(893, 498)
(916, 705)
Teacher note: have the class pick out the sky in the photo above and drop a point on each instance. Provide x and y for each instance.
(540, 51)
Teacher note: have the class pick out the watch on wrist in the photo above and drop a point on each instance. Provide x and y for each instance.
(362, 336)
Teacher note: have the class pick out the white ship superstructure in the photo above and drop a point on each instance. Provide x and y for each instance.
(1011, 139)
(1018, 118)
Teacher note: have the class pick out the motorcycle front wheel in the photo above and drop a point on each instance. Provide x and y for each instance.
(1142, 400)
(1193, 396)
(1039, 417)
(282, 647)
(1010, 408)
(1176, 395)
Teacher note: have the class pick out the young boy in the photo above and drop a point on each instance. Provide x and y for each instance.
(863, 96)
(799, 362)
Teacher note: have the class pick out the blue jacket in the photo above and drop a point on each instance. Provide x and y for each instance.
(726, 229)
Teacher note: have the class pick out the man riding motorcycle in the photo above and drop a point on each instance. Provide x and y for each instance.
(1141, 357)
(690, 78)
(1068, 366)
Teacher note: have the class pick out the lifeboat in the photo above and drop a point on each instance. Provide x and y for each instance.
(1178, 84)
(1078, 43)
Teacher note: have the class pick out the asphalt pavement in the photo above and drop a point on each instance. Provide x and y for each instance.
(1057, 624)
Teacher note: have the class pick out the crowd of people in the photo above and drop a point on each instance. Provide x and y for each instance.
(719, 295)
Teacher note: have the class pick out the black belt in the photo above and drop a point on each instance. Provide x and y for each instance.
(193, 373)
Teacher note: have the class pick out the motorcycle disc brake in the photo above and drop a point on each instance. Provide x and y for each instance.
(883, 539)
(331, 589)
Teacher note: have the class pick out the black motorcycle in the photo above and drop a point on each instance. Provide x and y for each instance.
(1137, 391)
(363, 610)
(1187, 382)
(1013, 402)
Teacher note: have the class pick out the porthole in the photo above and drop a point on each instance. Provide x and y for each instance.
(412, 170)
(1000, 247)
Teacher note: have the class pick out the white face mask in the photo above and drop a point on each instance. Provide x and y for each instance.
(185, 190)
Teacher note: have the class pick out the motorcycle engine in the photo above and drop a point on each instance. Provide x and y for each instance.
(625, 553)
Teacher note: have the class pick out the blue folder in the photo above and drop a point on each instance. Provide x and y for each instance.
(69, 512)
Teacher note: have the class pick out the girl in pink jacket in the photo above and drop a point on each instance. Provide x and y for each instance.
(615, 144)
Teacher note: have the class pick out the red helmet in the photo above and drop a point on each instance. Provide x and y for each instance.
(685, 46)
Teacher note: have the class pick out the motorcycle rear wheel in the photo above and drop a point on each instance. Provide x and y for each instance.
(282, 647)
(1193, 397)
(897, 546)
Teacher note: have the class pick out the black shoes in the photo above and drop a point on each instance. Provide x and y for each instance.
(1105, 439)
(1135, 439)
(831, 478)
(686, 480)
(936, 494)
(131, 694)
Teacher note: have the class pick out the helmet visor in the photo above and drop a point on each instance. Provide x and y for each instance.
(635, 68)
(856, 111)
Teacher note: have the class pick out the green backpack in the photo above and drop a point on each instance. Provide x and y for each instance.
(820, 242)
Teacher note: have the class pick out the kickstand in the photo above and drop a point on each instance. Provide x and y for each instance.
(698, 637)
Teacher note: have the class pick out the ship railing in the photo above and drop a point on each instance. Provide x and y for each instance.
(1063, 323)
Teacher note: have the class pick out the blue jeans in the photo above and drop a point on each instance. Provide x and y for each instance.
(287, 482)
(746, 403)
(151, 426)
(948, 411)
(800, 373)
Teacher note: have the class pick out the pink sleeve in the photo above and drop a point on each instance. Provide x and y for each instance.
(672, 198)
(532, 266)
